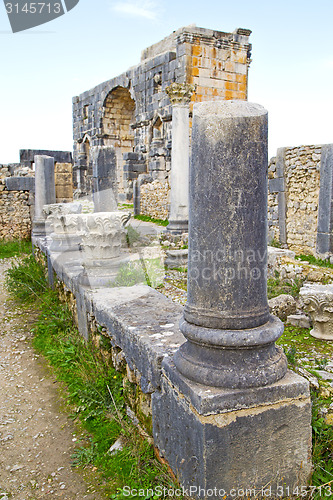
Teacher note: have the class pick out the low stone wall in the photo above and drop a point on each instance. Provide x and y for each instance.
(17, 200)
(16, 207)
(154, 199)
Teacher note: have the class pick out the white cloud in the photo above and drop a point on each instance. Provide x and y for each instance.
(145, 8)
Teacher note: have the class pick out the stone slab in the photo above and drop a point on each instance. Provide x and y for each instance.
(20, 184)
(27, 155)
(143, 323)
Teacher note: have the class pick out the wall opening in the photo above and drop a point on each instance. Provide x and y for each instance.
(118, 116)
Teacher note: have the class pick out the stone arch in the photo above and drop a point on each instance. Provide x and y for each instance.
(118, 116)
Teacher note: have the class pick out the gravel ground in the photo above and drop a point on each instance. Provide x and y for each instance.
(37, 439)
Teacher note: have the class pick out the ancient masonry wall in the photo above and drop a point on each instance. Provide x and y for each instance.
(132, 112)
(15, 209)
(63, 174)
(17, 186)
(154, 199)
(293, 200)
(302, 176)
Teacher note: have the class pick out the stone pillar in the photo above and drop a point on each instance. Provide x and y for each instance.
(105, 180)
(180, 96)
(230, 418)
(44, 192)
(324, 247)
(226, 317)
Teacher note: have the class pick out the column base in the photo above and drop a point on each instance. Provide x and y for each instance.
(38, 229)
(252, 443)
(234, 359)
(177, 226)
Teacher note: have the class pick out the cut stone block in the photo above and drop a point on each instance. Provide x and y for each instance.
(233, 440)
(318, 300)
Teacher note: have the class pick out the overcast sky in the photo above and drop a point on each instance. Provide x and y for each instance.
(43, 68)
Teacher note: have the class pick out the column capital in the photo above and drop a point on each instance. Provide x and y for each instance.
(180, 93)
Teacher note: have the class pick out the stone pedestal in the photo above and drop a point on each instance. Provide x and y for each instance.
(230, 416)
(44, 193)
(222, 441)
(318, 300)
(180, 96)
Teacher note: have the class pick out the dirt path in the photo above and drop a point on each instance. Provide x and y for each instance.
(36, 438)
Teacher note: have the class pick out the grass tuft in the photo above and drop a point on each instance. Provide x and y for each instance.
(14, 248)
(313, 260)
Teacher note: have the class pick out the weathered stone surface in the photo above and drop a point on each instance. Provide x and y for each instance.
(27, 156)
(20, 184)
(176, 258)
(133, 113)
(299, 203)
(105, 180)
(318, 300)
(213, 444)
(228, 240)
(180, 96)
(300, 320)
(282, 306)
(144, 324)
(44, 193)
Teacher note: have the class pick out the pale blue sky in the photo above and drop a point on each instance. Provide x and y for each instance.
(42, 69)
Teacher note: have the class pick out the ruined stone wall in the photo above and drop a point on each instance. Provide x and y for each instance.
(17, 185)
(302, 176)
(63, 175)
(15, 213)
(154, 199)
(273, 206)
(293, 200)
(132, 112)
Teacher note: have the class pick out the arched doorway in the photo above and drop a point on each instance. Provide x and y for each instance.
(118, 115)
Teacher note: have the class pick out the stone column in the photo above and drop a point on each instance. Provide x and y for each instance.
(105, 180)
(226, 321)
(229, 416)
(180, 96)
(44, 192)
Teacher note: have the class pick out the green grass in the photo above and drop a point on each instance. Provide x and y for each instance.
(146, 218)
(94, 393)
(124, 206)
(299, 344)
(93, 390)
(12, 248)
(313, 260)
(144, 271)
(275, 287)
